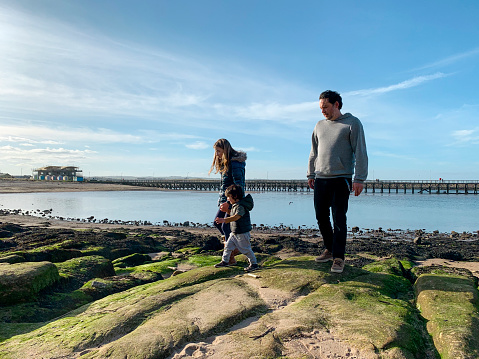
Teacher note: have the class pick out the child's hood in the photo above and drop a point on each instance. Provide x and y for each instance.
(247, 202)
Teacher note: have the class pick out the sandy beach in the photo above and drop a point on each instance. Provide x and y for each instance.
(31, 186)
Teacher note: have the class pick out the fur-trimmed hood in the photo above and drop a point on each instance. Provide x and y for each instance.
(240, 157)
(234, 175)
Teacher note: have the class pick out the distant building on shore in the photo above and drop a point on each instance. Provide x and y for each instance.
(58, 173)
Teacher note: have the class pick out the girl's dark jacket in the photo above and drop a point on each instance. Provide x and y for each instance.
(235, 175)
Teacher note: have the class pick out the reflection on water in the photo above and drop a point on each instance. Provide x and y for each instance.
(396, 211)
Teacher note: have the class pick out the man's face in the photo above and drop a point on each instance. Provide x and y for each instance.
(330, 111)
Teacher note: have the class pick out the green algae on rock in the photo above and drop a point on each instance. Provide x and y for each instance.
(368, 311)
(131, 260)
(450, 304)
(121, 320)
(21, 282)
(75, 272)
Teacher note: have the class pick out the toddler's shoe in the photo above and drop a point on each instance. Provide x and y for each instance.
(221, 264)
(251, 267)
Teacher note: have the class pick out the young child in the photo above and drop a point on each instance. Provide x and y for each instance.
(240, 223)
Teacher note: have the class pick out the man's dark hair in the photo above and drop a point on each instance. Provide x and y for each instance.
(235, 191)
(332, 97)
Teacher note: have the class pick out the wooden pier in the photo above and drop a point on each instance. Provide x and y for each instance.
(437, 187)
(377, 186)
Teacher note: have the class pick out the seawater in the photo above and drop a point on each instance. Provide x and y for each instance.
(443, 212)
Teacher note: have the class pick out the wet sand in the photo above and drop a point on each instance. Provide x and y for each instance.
(31, 186)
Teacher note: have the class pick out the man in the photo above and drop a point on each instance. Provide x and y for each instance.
(338, 151)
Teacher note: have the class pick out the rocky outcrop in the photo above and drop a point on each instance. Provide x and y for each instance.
(369, 313)
(450, 305)
(292, 307)
(21, 282)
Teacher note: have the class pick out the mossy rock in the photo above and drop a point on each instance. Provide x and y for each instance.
(370, 310)
(407, 264)
(101, 287)
(395, 285)
(77, 271)
(444, 270)
(53, 254)
(5, 234)
(161, 267)
(390, 266)
(120, 253)
(115, 235)
(343, 307)
(450, 304)
(43, 309)
(189, 250)
(349, 309)
(131, 260)
(13, 228)
(145, 322)
(7, 243)
(302, 275)
(21, 282)
(12, 258)
(8, 330)
(96, 251)
(201, 260)
(166, 265)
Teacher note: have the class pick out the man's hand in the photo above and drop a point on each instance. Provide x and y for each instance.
(219, 220)
(357, 188)
(311, 183)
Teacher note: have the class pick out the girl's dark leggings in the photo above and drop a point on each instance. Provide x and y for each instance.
(224, 228)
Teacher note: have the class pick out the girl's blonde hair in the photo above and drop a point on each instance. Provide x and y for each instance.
(222, 164)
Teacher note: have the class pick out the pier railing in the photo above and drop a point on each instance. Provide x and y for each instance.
(438, 187)
(373, 186)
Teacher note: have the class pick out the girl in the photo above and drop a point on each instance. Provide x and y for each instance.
(231, 165)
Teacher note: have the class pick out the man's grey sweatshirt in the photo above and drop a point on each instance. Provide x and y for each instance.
(338, 149)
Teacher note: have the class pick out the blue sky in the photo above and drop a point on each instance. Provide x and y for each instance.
(144, 88)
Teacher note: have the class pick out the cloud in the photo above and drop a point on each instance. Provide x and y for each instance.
(38, 135)
(55, 68)
(249, 149)
(416, 81)
(392, 155)
(198, 145)
(465, 137)
(52, 70)
(25, 141)
(45, 135)
(273, 111)
(32, 157)
(450, 60)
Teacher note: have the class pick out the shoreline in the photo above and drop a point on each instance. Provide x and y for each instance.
(18, 186)
(450, 250)
(33, 186)
(47, 221)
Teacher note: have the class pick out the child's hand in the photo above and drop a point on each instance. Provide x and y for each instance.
(224, 206)
(219, 220)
